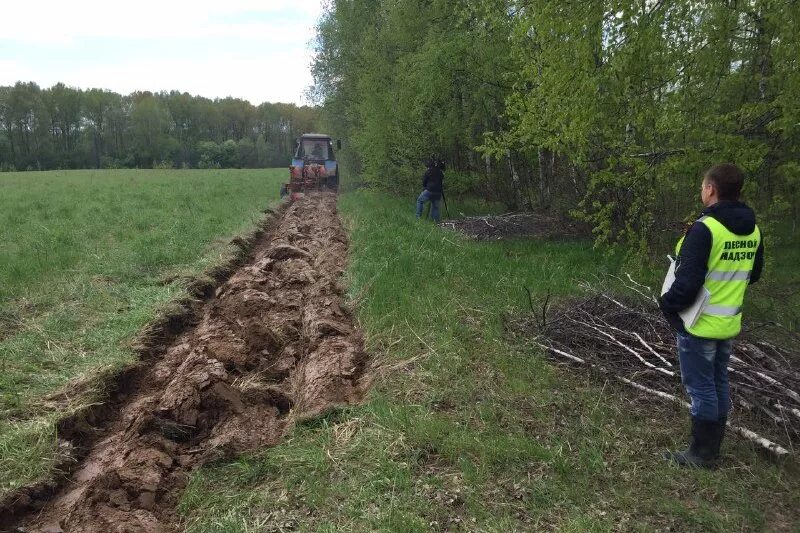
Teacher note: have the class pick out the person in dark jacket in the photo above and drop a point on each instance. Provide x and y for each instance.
(722, 253)
(432, 188)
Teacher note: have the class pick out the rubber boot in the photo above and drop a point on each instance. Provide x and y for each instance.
(722, 424)
(701, 451)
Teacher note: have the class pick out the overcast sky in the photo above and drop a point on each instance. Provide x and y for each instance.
(258, 50)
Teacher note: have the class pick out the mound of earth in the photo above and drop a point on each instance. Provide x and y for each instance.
(274, 342)
(517, 226)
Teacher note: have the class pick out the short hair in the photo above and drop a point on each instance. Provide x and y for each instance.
(727, 179)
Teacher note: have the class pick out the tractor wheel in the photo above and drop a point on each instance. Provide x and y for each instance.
(333, 182)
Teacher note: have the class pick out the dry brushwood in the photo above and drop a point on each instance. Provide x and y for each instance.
(628, 339)
(515, 225)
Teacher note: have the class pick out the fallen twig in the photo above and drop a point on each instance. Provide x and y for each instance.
(617, 335)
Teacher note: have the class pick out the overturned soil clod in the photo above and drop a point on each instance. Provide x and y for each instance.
(274, 342)
(517, 226)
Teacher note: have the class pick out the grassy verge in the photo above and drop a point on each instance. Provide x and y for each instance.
(87, 258)
(465, 431)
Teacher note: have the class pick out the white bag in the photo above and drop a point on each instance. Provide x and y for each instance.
(689, 315)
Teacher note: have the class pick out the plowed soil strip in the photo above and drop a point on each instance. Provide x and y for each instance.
(274, 342)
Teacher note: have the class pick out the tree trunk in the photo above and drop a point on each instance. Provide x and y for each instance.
(546, 166)
(521, 200)
(96, 148)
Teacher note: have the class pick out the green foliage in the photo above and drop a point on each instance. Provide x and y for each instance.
(222, 155)
(150, 122)
(610, 111)
(401, 81)
(87, 258)
(63, 127)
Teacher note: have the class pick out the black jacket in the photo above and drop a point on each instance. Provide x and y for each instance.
(692, 267)
(433, 180)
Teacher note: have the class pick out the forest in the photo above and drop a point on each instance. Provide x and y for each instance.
(67, 128)
(606, 111)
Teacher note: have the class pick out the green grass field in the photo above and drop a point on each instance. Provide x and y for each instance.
(87, 258)
(465, 431)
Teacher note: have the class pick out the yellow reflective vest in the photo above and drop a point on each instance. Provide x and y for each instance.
(730, 264)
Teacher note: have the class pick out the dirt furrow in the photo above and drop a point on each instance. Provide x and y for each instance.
(274, 342)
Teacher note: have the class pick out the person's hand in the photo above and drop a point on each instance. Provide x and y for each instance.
(671, 317)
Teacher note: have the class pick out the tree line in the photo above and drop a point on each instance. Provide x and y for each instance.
(65, 128)
(608, 111)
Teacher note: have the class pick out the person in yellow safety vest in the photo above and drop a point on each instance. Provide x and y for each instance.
(722, 253)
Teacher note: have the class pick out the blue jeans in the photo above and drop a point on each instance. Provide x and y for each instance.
(433, 198)
(704, 373)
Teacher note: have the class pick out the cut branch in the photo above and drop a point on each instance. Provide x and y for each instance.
(616, 335)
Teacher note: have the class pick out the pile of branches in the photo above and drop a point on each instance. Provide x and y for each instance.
(517, 225)
(629, 340)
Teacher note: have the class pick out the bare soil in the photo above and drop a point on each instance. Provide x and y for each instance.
(273, 343)
(517, 226)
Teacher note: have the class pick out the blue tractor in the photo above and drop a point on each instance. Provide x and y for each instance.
(314, 165)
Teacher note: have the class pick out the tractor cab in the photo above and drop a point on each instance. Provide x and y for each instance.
(314, 165)
(315, 149)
